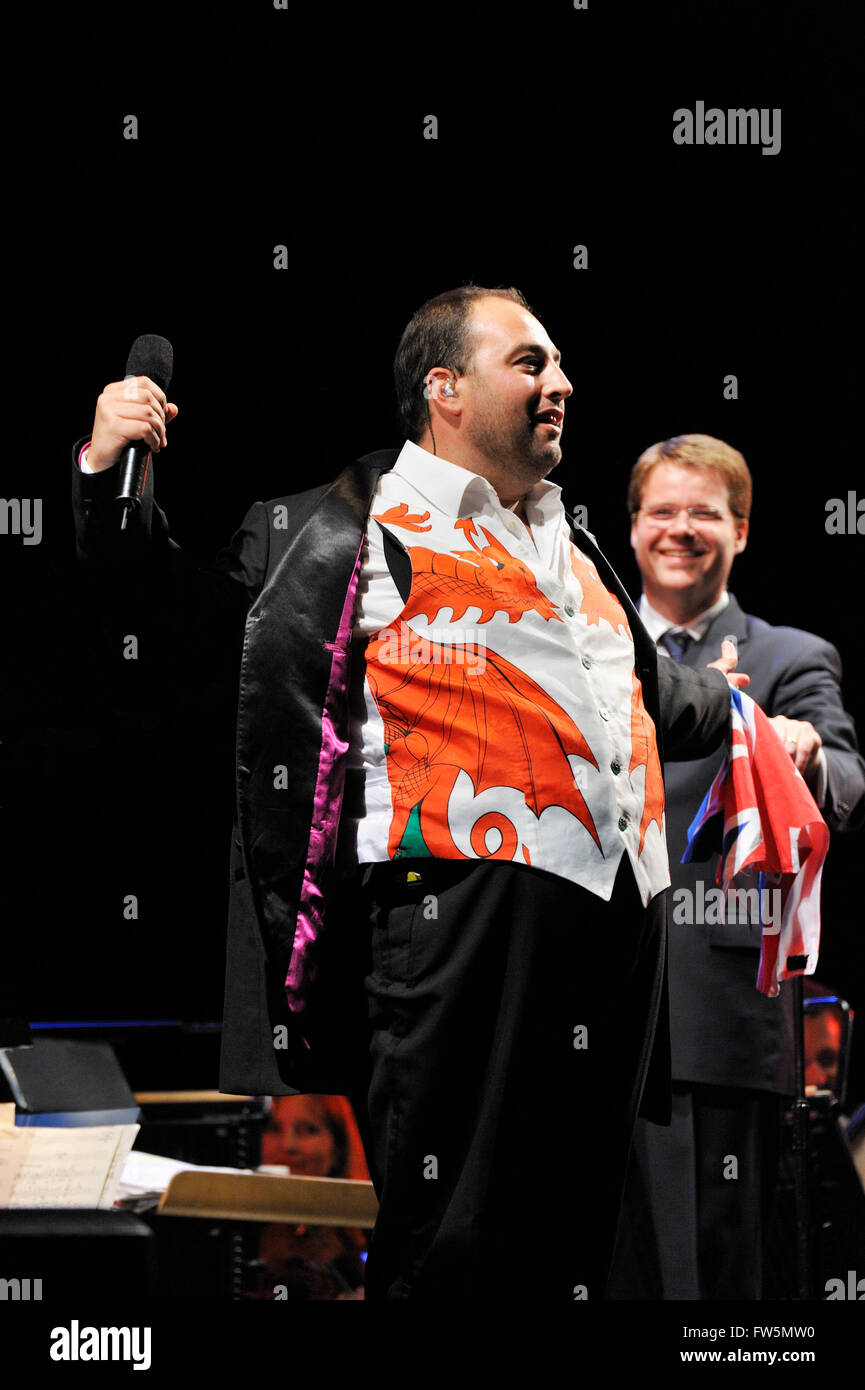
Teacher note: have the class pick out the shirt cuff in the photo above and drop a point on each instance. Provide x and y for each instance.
(82, 458)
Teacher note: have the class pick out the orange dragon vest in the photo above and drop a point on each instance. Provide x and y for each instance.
(504, 717)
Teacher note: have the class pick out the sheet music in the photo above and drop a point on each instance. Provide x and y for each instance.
(125, 1140)
(41, 1166)
(13, 1145)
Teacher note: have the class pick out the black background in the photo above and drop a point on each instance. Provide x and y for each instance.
(260, 127)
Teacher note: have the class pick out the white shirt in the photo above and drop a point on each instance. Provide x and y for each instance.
(657, 625)
(561, 641)
(588, 670)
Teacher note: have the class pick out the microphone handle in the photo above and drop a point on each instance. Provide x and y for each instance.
(133, 465)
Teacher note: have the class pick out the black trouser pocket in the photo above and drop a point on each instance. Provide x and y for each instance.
(404, 909)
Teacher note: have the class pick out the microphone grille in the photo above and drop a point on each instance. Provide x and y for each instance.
(151, 356)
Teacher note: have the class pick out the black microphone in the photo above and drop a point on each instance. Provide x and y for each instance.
(150, 356)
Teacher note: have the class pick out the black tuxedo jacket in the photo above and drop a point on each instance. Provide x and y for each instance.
(274, 602)
(725, 1033)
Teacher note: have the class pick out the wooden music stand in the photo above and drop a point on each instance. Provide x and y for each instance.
(261, 1197)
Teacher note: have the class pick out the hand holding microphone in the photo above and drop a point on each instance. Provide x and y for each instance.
(131, 419)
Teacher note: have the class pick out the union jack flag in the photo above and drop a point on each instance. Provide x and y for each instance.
(766, 820)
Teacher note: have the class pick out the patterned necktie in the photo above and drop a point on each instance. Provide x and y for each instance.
(675, 643)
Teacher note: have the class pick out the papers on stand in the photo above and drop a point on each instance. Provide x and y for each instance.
(96, 1166)
(42, 1166)
(146, 1176)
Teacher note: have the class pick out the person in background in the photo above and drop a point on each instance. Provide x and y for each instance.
(314, 1136)
(823, 1042)
(690, 1231)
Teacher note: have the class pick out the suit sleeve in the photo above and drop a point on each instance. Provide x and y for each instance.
(808, 687)
(189, 619)
(695, 710)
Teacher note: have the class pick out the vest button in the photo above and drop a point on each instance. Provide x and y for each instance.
(570, 610)
(615, 768)
(604, 713)
(623, 822)
(587, 662)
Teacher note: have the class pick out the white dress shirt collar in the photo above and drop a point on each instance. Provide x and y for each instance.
(459, 493)
(656, 624)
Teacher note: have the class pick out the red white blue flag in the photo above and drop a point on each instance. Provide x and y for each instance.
(766, 820)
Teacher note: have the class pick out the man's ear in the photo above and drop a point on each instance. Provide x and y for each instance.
(634, 534)
(741, 534)
(435, 381)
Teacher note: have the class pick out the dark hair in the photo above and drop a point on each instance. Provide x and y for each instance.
(437, 335)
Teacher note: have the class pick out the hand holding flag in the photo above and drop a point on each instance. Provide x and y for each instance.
(767, 820)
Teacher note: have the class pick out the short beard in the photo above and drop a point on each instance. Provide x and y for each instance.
(517, 450)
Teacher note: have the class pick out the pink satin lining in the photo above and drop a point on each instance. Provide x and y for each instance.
(327, 805)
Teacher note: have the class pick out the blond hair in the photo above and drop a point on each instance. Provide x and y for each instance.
(699, 451)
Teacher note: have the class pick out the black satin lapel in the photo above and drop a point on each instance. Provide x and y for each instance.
(289, 650)
(644, 648)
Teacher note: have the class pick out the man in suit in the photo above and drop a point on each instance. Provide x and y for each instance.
(692, 1230)
(450, 805)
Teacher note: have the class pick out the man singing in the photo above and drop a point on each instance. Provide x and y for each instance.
(449, 861)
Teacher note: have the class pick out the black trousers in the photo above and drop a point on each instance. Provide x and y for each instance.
(511, 1016)
(699, 1197)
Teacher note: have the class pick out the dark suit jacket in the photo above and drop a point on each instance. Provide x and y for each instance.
(277, 595)
(725, 1033)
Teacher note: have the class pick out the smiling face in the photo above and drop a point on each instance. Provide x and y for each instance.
(303, 1139)
(685, 562)
(514, 392)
